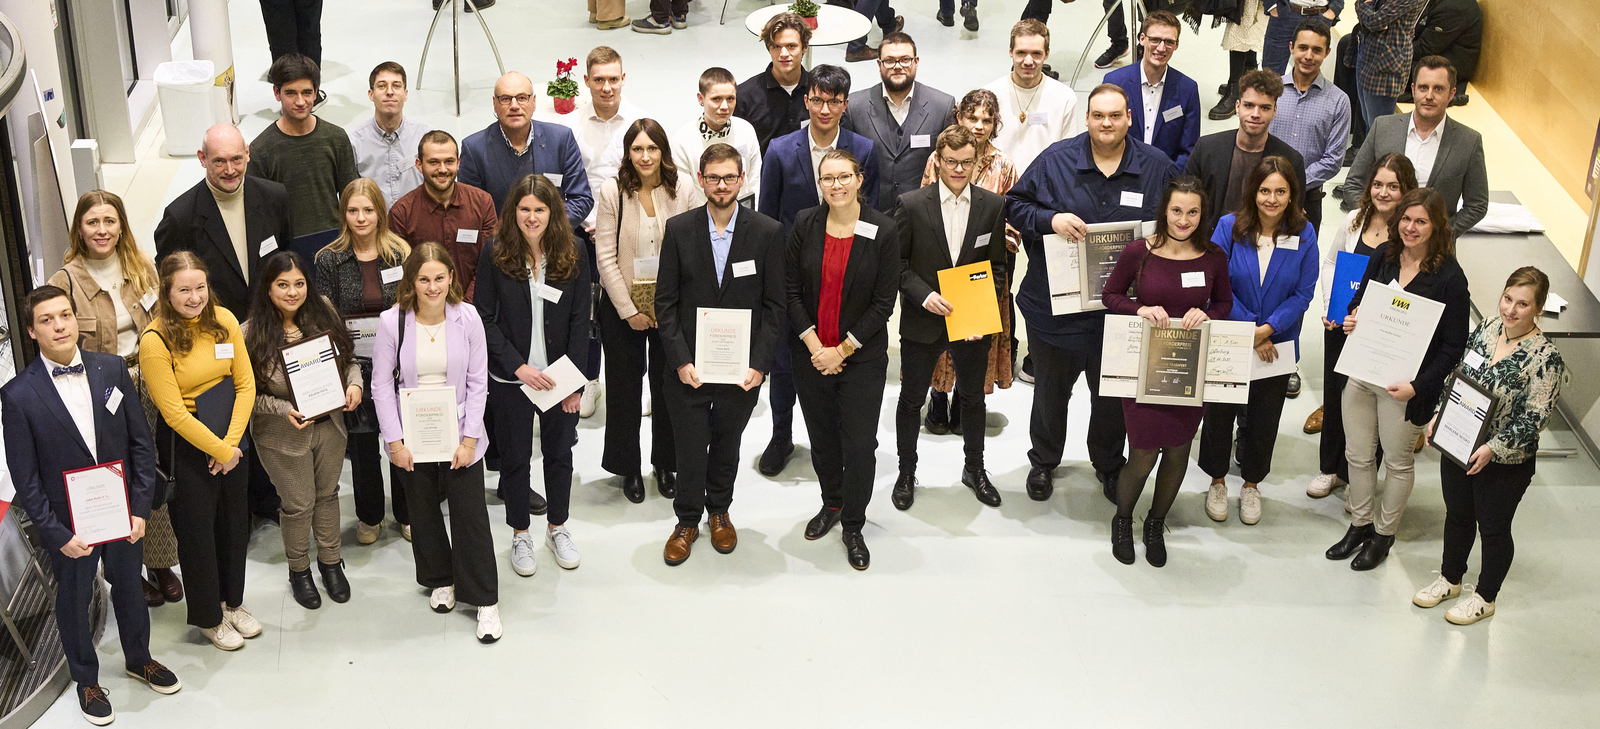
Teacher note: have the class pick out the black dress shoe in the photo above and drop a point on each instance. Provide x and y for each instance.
(938, 418)
(633, 488)
(978, 481)
(537, 505)
(1460, 100)
(171, 586)
(955, 416)
(1372, 553)
(1039, 485)
(1155, 543)
(1226, 106)
(822, 523)
(1108, 484)
(969, 10)
(775, 457)
(1294, 385)
(1052, 73)
(945, 19)
(1122, 539)
(666, 483)
(905, 491)
(1354, 537)
(334, 582)
(152, 595)
(304, 589)
(856, 549)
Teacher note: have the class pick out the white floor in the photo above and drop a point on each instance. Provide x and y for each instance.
(969, 616)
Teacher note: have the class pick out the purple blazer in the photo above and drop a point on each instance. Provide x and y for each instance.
(467, 369)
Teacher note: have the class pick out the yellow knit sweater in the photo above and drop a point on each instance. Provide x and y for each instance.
(175, 381)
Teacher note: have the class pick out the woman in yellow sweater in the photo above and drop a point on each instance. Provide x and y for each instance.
(190, 349)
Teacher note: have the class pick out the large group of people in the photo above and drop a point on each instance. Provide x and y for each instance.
(604, 240)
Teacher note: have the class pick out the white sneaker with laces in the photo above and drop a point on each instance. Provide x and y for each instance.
(644, 404)
(559, 540)
(242, 621)
(1435, 593)
(1217, 502)
(1323, 485)
(522, 561)
(1249, 504)
(224, 636)
(1470, 610)
(443, 599)
(489, 623)
(591, 395)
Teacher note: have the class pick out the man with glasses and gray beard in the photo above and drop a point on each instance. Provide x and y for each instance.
(901, 117)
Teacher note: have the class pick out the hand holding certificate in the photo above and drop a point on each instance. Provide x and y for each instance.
(1392, 334)
(428, 418)
(722, 345)
(974, 303)
(98, 500)
(311, 368)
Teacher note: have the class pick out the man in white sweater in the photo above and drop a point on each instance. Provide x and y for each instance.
(718, 96)
(1035, 111)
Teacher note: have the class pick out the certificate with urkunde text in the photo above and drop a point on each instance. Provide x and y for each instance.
(722, 345)
(1172, 370)
(311, 368)
(97, 498)
(428, 419)
(1393, 330)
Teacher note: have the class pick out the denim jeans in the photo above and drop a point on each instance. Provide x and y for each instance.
(873, 8)
(1374, 106)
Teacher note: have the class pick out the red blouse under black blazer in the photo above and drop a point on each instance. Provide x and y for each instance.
(871, 280)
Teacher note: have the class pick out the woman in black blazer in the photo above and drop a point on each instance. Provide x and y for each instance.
(843, 274)
(534, 266)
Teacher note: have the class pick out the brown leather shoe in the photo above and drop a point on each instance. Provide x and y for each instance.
(867, 53)
(152, 595)
(679, 543)
(723, 536)
(171, 586)
(1314, 423)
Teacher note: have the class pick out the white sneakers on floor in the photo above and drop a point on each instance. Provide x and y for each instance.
(1217, 502)
(591, 395)
(489, 629)
(224, 636)
(1436, 592)
(1470, 610)
(1323, 485)
(522, 561)
(443, 599)
(242, 621)
(559, 540)
(1249, 505)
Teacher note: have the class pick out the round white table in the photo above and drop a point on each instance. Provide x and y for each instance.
(835, 25)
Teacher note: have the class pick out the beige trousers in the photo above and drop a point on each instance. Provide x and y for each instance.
(606, 9)
(1371, 416)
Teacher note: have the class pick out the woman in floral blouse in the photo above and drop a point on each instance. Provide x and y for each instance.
(1510, 357)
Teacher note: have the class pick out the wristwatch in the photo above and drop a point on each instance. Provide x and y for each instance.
(846, 347)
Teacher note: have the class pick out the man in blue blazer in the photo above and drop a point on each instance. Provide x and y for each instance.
(789, 185)
(495, 157)
(71, 410)
(1165, 104)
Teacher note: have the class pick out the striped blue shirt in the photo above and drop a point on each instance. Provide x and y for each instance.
(1316, 123)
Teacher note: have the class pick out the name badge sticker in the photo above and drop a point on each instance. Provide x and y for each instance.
(1038, 118)
(1194, 279)
(549, 293)
(983, 241)
(921, 141)
(1473, 360)
(269, 245)
(466, 236)
(1289, 243)
(866, 229)
(1132, 199)
(225, 351)
(148, 301)
(113, 399)
(646, 267)
(1172, 113)
(744, 268)
(554, 179)
(391, 275)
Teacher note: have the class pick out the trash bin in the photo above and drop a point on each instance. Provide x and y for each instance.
(186, 109)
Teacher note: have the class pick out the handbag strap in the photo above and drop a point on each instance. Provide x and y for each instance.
(400, 343)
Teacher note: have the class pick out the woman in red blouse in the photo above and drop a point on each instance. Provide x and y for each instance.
(843, 276)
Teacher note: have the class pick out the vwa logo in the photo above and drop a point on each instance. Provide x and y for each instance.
(1401, 304)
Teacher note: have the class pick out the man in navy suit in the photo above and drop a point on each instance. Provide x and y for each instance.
(71, 410)
(1165, 104)
(789, 185)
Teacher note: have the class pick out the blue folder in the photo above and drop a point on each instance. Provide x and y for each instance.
(1348, 269)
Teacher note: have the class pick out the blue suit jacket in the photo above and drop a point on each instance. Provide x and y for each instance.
(42, 442)
(788, 184)
(1282, 299)
(1174, 138)
(489, 164)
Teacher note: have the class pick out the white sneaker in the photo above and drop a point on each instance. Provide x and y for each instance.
(443, 599)
(1249, 505)
(224, 636)
(1435, 593)
(559, 540)
(1217, 502)
(1470, 610)
(522, 561)
(242, 621)
(1323, 485)
(488, 623)
(591, 395)
(644, 404)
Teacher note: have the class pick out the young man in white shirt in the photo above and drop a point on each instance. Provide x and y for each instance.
(1035, 111)
(718, 96)
(386, 145)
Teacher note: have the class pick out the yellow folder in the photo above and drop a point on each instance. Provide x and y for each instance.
(970, 290)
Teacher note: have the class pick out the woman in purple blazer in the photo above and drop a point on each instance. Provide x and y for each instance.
(441, 345)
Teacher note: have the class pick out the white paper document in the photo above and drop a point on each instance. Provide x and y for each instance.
(312, 370)
(1119, 356)
(1061, 268)
(1228, 361)
(722, 345)
(1283, 365)
(1393, 330)
(98, 500)
(569, 379)
(428, 420)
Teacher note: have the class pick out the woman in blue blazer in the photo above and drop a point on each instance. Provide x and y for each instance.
(1272, 264)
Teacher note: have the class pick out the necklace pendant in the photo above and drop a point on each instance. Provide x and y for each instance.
(1022, 118)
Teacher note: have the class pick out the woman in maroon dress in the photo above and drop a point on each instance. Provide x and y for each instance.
(1170, 272)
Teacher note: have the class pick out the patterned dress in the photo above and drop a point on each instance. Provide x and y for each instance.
(1526, 382)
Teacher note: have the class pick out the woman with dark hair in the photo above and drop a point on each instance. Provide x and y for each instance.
(1419, 258)
(1366, 228)
(1510, 357)
(113, 287)
(430, 339)
(1272, 265)
(303, 456)
(1156, 279)
(533, 285)
(191, 348)
(631, 218)
(843, 278)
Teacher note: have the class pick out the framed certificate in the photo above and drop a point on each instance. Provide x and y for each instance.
(1172, 366)
(364, 332)
(97, 498)
(722, 345)
(311, 367)
(1098, 255)
(1464, 420)
(428, 420)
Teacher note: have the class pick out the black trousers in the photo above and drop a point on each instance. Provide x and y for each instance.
(1118, 25)
(75, 579)
(1484, 502)
(710, 422)
(592, 369)
(513, 429)
(841, 413)
(212, 523)
(463, 557)
(1313, 207)
(917, 360)
(1258, 431)
(627, 370)
(1055, 372)
(1331, 448)
(781, 389)
(294, 26)
(659, 10)
(366, 479)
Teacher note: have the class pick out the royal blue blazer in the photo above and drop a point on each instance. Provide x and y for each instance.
(1282, 299)
(1174, 138)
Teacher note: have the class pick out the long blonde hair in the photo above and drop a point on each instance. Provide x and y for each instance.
(136, 266)
(391, 248)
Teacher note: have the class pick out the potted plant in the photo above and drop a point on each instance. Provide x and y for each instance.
(807, 10)
(563, 90)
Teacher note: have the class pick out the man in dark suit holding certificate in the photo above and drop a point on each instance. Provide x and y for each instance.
(72, 410)
(716, 256)
(944, 225)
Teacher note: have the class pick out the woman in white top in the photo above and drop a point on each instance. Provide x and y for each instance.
(1366, 228)
(633, 209)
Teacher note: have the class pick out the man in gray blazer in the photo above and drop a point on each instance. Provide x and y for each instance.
(901, 117)
(1447, 154)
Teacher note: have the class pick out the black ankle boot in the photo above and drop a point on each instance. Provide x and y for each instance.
(1354, 537)
(304, 589)
(938, 418)
(334, 582)
(1372, 553)
(1122, 538)
(1155, 545)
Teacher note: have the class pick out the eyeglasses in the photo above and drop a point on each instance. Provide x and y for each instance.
(506, 99)
(836, 180)
(958, 164)
(718, 180)
(822, 103)
(1162, 42)
(897, 62)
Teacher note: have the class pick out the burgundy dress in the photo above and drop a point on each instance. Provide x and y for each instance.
(1161, 284)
